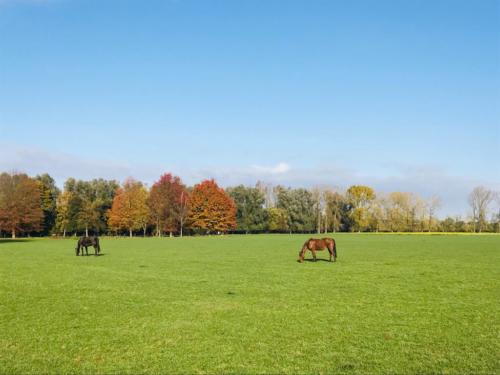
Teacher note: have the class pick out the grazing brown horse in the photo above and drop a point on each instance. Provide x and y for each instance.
(85, 242)
(314, 244)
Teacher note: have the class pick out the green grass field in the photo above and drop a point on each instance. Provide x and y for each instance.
(242, 304)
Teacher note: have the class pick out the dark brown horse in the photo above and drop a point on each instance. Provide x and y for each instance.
(85, 242)
(314, 244)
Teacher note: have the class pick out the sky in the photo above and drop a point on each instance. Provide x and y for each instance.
(397, 95)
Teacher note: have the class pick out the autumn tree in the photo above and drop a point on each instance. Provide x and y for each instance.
(63, 215)
(360, 198)
(399, 208)
(19, 204)
(167, 204)
(183, 210)
(212, 210)
(129, 210)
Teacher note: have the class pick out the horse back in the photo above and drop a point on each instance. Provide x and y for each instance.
(329, 242)
(88, 241)
(315, 244)
(320, 243)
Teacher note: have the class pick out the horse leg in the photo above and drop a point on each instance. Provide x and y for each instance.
(86, 250)
(330, 251)
(77, 250)
(314, 254)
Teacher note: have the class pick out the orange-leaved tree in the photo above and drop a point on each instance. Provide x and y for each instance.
(211, 209)
(20, 209)
(167, 204)
(129, 210)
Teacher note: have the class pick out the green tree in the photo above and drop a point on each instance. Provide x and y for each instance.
(250, 213)
(448, 225)
(48, 198)
(278, 220)
(88, 217)
(336, 207)
(88, 203)
(299, 206)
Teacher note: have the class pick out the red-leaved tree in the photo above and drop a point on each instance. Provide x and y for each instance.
(211, 208)
(20, 209)
(167, 203)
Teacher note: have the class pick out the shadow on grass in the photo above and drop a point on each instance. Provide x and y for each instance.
(12, 240)
(317, 260)
(92, 255)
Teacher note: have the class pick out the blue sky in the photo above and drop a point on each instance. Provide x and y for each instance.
(400, 95)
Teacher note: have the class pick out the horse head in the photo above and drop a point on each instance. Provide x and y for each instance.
(302, 252)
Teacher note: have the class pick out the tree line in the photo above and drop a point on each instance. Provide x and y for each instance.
(36, 206)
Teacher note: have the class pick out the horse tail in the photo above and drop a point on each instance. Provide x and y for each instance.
(334, 249)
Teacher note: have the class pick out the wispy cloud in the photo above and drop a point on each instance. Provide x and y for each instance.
(33, 160)
(424, 180)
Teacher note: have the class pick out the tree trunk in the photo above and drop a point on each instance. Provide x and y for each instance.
(181, 230)
(86, 231)
(170, 234)
(130, 232)
(64, 232)
(13, 233)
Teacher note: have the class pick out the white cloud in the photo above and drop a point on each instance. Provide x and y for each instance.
(279, 168)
